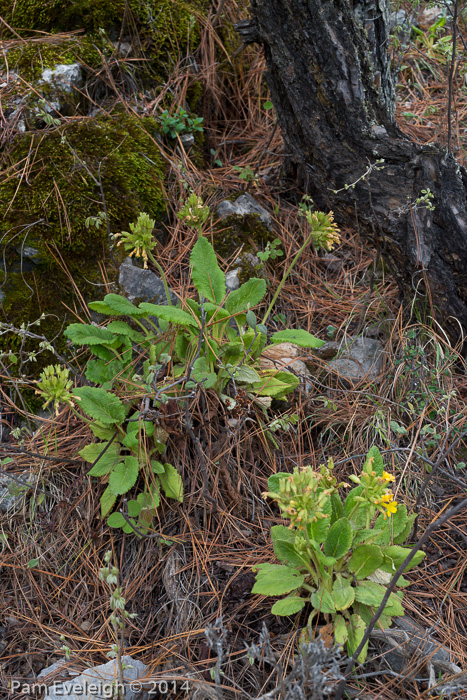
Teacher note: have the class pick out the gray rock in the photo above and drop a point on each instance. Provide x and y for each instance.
(362, 359)
(65, 76)
(27, 251)
(243, 206)
(249, 265)
(96, 683)
(141, 284)
(188, 140)
(232, 281)
(13, 491)
(60, 665)
(359, 358)
(124, 48)
(399, 18)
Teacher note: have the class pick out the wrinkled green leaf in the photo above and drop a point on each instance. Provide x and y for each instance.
(246, 375)
(201, 373)
(101, 372)
(339, 539)
(285, 552)
(365, 560)
(288, 606)
(340, 630)
(86, 334)
(206, 274)
(322, 600)
(343, 594)
(251, 292)
(172, 483)
(99, 404)
(298, 337)
(275, 579)
(123, 476)
(274, 480)
(108, 460)
(121, 306)
(171, 314)
(374, 461)
(356, 632)
(122, 328)
(394, 555)
(400, 539)
(107, 502)
(275, 384)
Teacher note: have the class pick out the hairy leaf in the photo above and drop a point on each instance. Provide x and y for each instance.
(123, 476)
(122, 328)
(274, 480)
(250, 292)
(275, 579)
(206, 274)
(340, 630)
(172, 483)
(343, 594)
(288, 606)
(298, 337)
(102, 372)
(86, 334)
(105, 463)
(394, 527)
(121, 306)
(99, 404)
(171, 314)
(365, 560)
(339, 539)
(275, 384)
(375, 460)
(107, 502)
(285, 552)
(356, 632)
(394, 555)
(101, 308)
(202, 374)
(400, 539)
(322, 600)
(101, 431)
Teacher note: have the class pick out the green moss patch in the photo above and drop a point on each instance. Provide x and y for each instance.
(51, 186)
(160, 30)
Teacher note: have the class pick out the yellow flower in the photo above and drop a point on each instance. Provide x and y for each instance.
(388, 502)
(390, 508)
(387, 497)
(388, 477)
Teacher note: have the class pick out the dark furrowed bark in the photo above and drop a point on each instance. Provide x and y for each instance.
(330, 82)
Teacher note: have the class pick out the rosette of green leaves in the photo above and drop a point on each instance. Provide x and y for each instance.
(212, 341)
(335, 564)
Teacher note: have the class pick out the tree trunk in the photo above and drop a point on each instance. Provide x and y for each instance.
(330, 82)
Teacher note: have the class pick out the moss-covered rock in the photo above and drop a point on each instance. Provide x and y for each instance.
(158, 29)
(52, 184)
(30, 59)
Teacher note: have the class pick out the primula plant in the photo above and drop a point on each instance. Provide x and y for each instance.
(55, 386)
(338, 553)
(324, 230)
(150, 354)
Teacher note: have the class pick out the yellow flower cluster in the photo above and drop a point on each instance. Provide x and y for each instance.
(387, 499)
(140, 241)
(325, 230)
